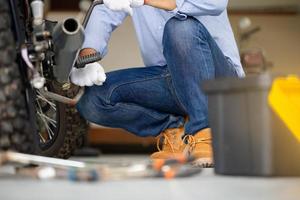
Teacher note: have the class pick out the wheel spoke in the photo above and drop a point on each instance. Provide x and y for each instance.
(42, 138)
(46, 126)
(46, 120)
(41, 97)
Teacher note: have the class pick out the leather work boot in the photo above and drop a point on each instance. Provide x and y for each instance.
(201, 148)
(172, 144)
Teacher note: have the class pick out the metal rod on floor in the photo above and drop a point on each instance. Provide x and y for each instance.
(13, 157)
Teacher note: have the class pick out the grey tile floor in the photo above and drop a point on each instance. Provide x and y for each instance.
(206, 186)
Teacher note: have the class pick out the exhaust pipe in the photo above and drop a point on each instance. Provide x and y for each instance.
(68, 38)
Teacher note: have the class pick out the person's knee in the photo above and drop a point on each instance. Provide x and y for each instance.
(90, 103)
(180, 33)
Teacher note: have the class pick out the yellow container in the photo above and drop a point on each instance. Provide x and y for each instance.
(284, 99)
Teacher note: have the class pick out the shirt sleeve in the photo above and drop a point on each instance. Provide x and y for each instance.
(200, 7)
(101, 24)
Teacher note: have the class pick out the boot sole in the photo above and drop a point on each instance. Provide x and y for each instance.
(204, 163)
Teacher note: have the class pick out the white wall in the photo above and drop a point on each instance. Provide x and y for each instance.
(123, 50)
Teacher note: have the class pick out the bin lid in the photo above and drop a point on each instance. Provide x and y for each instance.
(250, 82)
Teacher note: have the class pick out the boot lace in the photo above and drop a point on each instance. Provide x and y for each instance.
(191, 142)
(166, 141)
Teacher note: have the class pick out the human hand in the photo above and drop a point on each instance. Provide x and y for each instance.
(91, 74)
(123, 5)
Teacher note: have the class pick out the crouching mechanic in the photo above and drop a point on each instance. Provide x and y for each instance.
(183, 42)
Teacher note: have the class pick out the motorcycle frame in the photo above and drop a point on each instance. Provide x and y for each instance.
(20, 38)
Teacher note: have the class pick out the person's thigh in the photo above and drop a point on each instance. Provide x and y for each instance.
(188, 43)
(149, 87)
(223, 66)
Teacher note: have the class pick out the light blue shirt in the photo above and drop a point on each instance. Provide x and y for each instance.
(149, 23)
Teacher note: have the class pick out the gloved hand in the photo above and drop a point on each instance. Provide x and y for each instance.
(91, 74)
(123, 5)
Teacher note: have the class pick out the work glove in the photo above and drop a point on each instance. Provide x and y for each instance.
(91, 74)
(123, 5)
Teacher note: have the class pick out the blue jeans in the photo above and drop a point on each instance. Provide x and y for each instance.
(148, 100)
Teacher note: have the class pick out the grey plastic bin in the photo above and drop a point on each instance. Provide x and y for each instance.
(248, 138)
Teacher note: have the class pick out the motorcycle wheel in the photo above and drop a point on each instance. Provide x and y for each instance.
(61, 130)
(56, 130)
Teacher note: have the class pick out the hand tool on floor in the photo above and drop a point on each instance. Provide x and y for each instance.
(84, 171)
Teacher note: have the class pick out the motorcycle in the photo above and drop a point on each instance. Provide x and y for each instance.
(37, 113)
